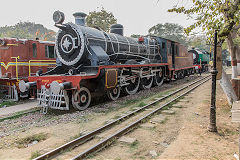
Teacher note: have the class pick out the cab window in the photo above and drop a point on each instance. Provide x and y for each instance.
(49, 52)
(169, 49)
(34, 46)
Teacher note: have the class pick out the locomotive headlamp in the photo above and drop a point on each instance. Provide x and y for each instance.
(58, 17)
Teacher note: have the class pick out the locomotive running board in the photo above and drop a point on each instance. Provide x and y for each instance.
(47, 99)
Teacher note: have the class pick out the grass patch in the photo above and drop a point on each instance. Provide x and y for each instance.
(165, 108)
(35, 154)
(228, 131)
(76, 136)
(164, 121)
(141, 104)
(23, 142)
(7, 103)
(129, 101)
(134, 145)
(117, 116)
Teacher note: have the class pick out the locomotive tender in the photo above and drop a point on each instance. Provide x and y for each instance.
(94, 62)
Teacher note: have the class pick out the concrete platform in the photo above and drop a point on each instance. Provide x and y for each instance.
(17, 108)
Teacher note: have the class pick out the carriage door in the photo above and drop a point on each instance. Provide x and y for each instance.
(173, 54)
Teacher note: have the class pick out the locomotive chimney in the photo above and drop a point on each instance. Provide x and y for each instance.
(117, 29)
(80, 18)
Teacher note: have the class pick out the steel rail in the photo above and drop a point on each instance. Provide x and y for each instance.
(90, 135)
(106, 142)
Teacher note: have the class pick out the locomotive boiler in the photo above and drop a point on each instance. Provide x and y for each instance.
(78, 45)
(92, 62)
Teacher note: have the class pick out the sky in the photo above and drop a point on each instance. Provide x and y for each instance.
(137, 16)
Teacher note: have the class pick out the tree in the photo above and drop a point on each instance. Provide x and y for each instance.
(136, 35)
(198, 41)
(101, 19)
(170, 31)
(222, 15)
(211, 15)
(27, 30)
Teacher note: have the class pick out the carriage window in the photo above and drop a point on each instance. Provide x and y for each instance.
(177, 50)
(49, 52)
(34, 46)
(169, 49)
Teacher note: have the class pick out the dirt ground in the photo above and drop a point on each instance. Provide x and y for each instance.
(184, 135)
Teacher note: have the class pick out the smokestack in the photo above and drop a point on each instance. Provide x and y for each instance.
(80, 18)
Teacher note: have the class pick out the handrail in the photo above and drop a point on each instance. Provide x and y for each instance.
(29, 63)
(16, 58)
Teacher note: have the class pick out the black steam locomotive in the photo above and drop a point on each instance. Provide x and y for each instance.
(93, 62)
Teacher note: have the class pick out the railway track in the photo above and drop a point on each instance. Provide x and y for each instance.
(85, 145)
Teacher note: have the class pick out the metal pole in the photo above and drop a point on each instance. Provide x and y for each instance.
(16, 58)
(212, 126)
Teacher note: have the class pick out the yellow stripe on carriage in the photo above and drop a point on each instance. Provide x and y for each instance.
(27, 64)
(181, 57)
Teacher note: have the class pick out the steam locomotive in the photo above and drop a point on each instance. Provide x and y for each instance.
(92, 62)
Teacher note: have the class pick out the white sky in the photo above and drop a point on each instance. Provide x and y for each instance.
(137, 16)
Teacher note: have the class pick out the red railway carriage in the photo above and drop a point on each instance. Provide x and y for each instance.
(179, 59)
(20, 58)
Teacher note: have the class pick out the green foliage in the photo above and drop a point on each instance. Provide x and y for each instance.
(198, 42)
(141, 104)
(7, 103)
(136, 35)
(170, 31)
(134, 145)
(35, 154)
(212, 15)
(101, 19)
(27, 30)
